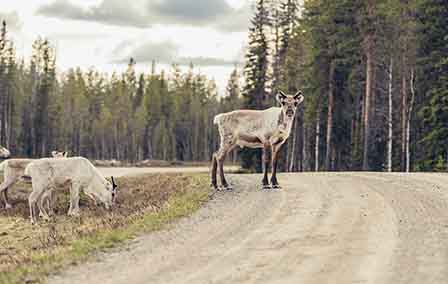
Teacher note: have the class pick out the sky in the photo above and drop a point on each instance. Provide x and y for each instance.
(106, 33)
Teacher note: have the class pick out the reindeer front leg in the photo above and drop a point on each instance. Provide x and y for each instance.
(275, 151)
(226, 146)
(213, 172)
(74, 200)
(265, 161)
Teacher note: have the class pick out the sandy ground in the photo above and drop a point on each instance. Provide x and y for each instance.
(320, 228)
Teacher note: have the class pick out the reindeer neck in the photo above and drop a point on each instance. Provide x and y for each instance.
(284, 122)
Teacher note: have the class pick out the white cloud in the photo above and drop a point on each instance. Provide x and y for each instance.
(107, 46)
(218, 14)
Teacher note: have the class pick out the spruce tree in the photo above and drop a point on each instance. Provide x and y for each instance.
(256, 73)
(433, 80)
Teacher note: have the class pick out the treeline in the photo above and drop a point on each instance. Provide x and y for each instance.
(125, 116)
(374, 75)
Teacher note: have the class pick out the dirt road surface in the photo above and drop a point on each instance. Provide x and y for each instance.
(320, 228)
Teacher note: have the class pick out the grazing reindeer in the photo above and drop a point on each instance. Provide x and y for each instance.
(78, 173)
(255, 129)
(4, 153)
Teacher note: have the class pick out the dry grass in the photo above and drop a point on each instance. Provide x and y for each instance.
(28, 253)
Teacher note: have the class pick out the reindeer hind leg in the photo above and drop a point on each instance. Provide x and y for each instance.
(7, 183)
(213, 173)
(220, 157)
(45, 202)
(32, 200)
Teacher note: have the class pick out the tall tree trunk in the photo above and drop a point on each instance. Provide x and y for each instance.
(408, 124)
(316, 147)
(390, 119)
(330, 117)
(368, 100)
(299, 143)
(293, 152)
(305, 160)
(404, 109)
(294, 163)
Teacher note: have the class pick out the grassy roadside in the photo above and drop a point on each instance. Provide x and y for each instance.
(30, 253)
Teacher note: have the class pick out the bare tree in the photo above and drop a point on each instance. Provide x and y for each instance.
(330, 117)
(390, 119)
(316, 147)
(408, 123)
(369, 46)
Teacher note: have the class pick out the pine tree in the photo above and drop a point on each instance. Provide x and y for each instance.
(232, 100)
(256, 72)
(433, 80)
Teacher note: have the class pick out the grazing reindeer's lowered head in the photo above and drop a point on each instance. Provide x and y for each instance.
(289, 103)
(267, 129)
(4, 153)
(103, 191)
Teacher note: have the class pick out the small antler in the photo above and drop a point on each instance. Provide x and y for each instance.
(113, 182)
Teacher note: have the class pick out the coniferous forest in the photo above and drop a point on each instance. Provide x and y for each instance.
(374, 75)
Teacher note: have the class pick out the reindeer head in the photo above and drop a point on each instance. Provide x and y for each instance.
(4, 153)
(103, 191)
(57, 154)
(289, 103)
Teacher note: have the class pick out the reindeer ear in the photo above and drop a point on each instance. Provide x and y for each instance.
(53, 153)
(299, 97)
(280, 96)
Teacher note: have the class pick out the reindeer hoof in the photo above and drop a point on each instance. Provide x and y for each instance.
(73, 214)
(228, 188)
(266, 187)
(276, 186)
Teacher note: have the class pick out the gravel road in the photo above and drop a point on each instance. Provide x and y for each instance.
(320, 228)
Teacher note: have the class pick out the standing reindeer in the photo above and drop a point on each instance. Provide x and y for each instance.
(255, 129)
